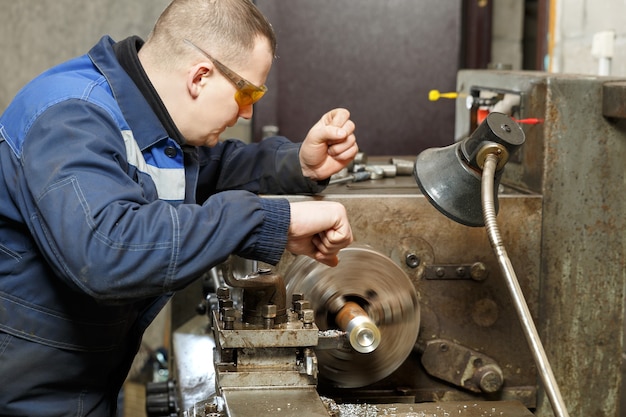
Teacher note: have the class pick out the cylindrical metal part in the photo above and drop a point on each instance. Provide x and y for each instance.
(363, 334)
(497, 129)
(403, 166)
(489, 378)
(389, 170)
(229, 318)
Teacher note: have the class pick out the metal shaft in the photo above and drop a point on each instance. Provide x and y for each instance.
(530, 331)
(363, 334)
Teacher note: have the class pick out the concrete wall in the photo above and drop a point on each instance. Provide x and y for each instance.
(576, 22)
(507, 33)
(36, 34)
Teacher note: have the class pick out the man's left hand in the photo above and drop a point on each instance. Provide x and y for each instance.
(329, 146)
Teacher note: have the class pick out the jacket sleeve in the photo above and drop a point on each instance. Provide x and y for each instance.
(271, 166)
(99, 231)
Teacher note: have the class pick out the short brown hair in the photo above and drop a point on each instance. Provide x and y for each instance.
(226, 28)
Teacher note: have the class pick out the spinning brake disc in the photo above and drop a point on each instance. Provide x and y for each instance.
(383, 291)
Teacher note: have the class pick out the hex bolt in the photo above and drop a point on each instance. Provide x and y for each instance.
(223, 293)
(229, 318)
(308, 317)
(300, 306)
(268, 312)
(478, 271)
(310, 362)
(412, 260)
(296, 296)
(223, 304)
(440, 272)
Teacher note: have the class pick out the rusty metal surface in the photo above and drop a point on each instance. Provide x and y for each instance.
(395, 219)
(474, 313)
(243, 335)
(614, 99)
(562, 220)
(575, 161)
(462, 366)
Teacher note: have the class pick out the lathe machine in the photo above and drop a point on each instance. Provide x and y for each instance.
(417, 319)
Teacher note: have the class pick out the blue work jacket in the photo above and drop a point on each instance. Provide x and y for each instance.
(100, 223)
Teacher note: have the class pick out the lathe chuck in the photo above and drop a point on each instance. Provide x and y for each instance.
(382, 289)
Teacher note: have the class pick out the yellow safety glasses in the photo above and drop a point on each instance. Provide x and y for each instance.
(247, 93)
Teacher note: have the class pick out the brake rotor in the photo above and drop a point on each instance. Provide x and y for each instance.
(382, 289)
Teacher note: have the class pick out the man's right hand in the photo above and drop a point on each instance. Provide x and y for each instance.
(319, 229)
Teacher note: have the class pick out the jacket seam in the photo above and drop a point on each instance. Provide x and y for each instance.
(175, 250)
(92, 226)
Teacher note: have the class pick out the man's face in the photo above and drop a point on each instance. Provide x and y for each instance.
(216, 108)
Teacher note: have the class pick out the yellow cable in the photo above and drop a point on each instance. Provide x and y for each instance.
(551, 32)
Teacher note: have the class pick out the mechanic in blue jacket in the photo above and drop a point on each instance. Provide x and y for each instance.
(115, 191)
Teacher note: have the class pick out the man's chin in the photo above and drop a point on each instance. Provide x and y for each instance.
(211, 141)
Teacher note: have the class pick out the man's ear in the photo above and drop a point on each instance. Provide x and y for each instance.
(196, 78)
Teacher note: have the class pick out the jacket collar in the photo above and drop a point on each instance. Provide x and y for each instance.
(145, 124)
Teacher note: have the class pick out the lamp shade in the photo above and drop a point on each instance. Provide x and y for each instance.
(450, 177)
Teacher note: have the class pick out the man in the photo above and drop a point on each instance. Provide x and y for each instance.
(116, 192)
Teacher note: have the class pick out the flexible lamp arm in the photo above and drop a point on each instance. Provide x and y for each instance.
(491, 162)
